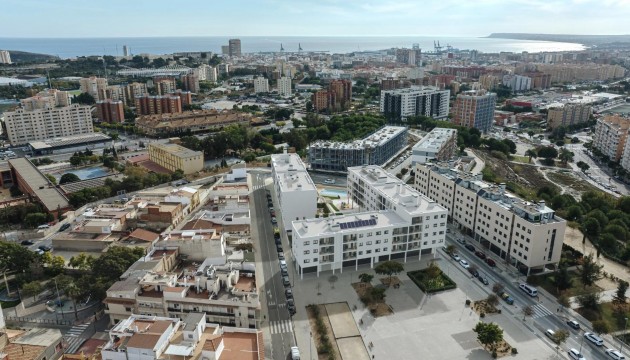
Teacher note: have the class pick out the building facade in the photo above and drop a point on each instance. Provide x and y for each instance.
(234, 47)
(611, 134)
(284, 86)
(5, 57)
(569, 114)
(296, 191)
(190, 83)
(164, 85)
(24, 126)
(439, 144)
(175, 157)
(261, 85)
(195, 121)
(375, 149)
(475, 109)
(111, 111)
(94, 86)
(133, 90)
(415, 101)
(527, 235)
(517, 83)
(150, 105)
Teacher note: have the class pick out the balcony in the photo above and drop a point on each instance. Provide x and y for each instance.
(350, 256)
(327, 250)
(326, 259)
(349, 247)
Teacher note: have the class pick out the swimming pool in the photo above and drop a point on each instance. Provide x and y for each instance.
(86, 173)
(334, 193)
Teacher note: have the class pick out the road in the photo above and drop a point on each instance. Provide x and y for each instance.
(546, 314)
(280, 322)
(598, 177)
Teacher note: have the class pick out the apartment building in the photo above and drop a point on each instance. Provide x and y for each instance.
(296, 191)
(110, 111)
(569, 114)
(94, 86)
(517, 83)
(261, 85)
(184, 96)
(395, 222)
(415, 101)
(193, 121)
(176, 157)
(320, 100)
(190, 82)
(564, 73)
(475, 109)
(5, 57)
(164, 85)
(439, 144)
(234, 47)
(611, 133)
(528, 235)
(625, 157)
(375, 149)
(207, 73)
(141, 337)
(47, 99)
(163, 104)
(489, 81)
(284, 86)
(336, 98)
(24, 126)
(116, 93)
(134, 90)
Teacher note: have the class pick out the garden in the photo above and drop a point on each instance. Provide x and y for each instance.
(432, 279)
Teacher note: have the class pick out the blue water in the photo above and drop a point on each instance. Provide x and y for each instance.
(86, 173)
(334, 193)
(71, 47)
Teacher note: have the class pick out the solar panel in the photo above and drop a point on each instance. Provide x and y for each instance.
(343, 225)
(372, 221)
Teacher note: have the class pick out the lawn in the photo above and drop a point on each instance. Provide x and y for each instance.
(606, 314)
(567, 180)
(427, 285)
(546, 282)
(522, 159)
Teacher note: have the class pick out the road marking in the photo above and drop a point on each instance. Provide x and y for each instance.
(77, 330)
(281, 327)
(540, 311)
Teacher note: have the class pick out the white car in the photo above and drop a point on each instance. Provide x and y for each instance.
(615, 354)
(594, 339)
(455, 257)
(329, 181)
(464, 263)
(574, 354)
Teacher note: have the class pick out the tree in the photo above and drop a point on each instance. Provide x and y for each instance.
(492, 300)
(115, 262)
(590, 226)
(68, 178)
(81, 262)
(178, 174)
(35, 219)
(562, 279)
(497, 288)
(589, 301)
(450, 249)
(52, 179)
(527, 311)
(601, 327)
(489, 334)
(590, 271)
(560, 336)
(563, 300)
(433, 270)
(377, 293)
(84, 99)
(54, 264)
(548, 152)
(15, 191)
(565, 156)
(32, 288)
(582, 166)
(531, 153)
(389, 268)
(76, 293)
(366, 278)
(620, 295)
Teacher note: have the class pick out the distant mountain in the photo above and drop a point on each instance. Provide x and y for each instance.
(23, 56)
(580, 39)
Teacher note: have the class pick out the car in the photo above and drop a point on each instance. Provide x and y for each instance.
(480, 254)
(615, 354)
(295, 353)
(280, 256)
(530, 290)
(455, 257)
(45, 248)
(551, 334)
(329, 181)
(574, 324)
(273, 214)
(274, 220)
(483, 279)
(27, 242)
(288, 293)
(271, 209)
(464, 263)
(279, 248)
(461, 241)
(574, 354)
(278, 241)
(445, 249)
(507, 298)
(470, 247)
(284, 272)
(473, 271)
(283, 263)
(491, 262)
(285, 281)
(64, 227)
(594, 339)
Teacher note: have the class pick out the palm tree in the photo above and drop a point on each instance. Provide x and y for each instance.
(565, 156)
(73, 291)
(531, 153)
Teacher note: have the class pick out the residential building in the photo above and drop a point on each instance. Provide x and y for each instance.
(375, 149)
(111, 111)
(207, 73)
(475, 109)
(165, 104)
(162, 215)
(193, 121)
(566, 73)
(415, 101)
(528, 235)
(24, 126)
(569, 114)
(439, 144)
(296, 191)
(141, 337)
(164, 85)
(261, 85)
(134, 90)
(539, 80)
(184, 96)
(126, 51)
(395, 222)
(284, 86)
(190, 83)
(225, 50)
(489, 81)
(517, 83)
(116, 93)
(176, 157)
(611, 133)
(47, 99)
(34, 344)
(409, 56)
(94, 86)
(320, 100)
(234, 47)
(342, 90)
(5, 57)
(625, 157)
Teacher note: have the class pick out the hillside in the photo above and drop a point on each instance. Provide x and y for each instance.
(23, 56)
(580, 39)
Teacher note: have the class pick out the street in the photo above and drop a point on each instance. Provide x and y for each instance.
(597, 177)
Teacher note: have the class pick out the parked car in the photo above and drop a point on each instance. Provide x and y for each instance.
(480, 255)
(574, 354)
(291, 306)
(64, 227)
(288, 293)
(45, 248)
(507, 298)
(491, 262)
(280, 256)
(329, 181)
(483, 279)
(285, 281)
(470, 247)
(551, 334)
(27, 242)
(455, 257)
(278, 242)
(464, 263)
(473, 271)
(574, 324)
(295, 353)
(594, 339)
(461, 241)
(615, 354)
(279, 248)
(284, 272)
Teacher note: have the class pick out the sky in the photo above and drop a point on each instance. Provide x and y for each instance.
(140, 18)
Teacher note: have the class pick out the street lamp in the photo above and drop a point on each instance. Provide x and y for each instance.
(58, 298)
(624, 333)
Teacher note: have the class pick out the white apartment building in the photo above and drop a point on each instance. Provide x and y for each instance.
(440, 144)
(415, 101)
(528, 235)
(395, 222)
(24, 126)
(296, 191)
(284, 86)
(94, 86)
(517, 82)
(611, 133)
(5, 57)
(207, 72)
(261, 85)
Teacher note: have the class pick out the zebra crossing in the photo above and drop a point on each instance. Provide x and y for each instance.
(540, 311)
(281, 326)
(256, 187)
(77, 330)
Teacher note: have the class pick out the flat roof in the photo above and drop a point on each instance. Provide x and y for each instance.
(434, 140)
(347, 223)
(287, 162)
(69, 140)
(47, 194)
(378, 138)
(176, 150)
(300, 181)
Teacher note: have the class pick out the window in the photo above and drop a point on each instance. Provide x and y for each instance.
(378, 233)
(306, 252)
(384, 249)
(307, 243)
(315, 251)
(386, 232)
(360, 236)
(368, 243)
(369, 234)
(368, 252)
(360, 252)
(377, 250)
(378, 241)
(315, 242)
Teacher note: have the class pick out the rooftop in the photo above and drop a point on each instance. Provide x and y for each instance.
(299, 181)
(414, 90)
(347, 223)
(176, 150)
(378, 138)
(69, 141)
(49, 196)
(434, 140)
(287, 162)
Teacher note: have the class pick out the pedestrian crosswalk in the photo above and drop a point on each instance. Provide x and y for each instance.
(256, 187)
(77, 330)
(73, 344)
(540, 311)
(281, 326)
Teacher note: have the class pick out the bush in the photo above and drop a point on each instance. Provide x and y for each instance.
(514, 351)
(441, 283)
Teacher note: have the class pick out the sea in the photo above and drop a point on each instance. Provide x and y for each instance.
(73, 47)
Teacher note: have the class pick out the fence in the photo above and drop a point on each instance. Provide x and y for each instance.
(23, 319)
